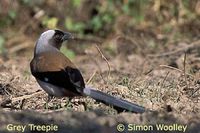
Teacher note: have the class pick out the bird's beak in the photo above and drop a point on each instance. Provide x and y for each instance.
(67, 36)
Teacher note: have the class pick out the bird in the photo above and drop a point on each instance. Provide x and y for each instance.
(59, 77)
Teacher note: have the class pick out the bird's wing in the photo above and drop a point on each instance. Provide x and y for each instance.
(56, 69)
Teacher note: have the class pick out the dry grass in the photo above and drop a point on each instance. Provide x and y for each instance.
(168, 84)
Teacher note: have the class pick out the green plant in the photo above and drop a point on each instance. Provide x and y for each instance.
(76, 3)
(8, 18)
(67, 52)
(2, 41)
(74, 26)
(135, 9)
(106, 14)
(26, 2)
(50, 22)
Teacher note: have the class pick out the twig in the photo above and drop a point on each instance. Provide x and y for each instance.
(20, 47)
(89, 80)
(194, 92)
(15, 40)
(4, 102)
(100, 71)
(193, 45)
(25, 97)
(176, 69)
(88, 39)
(162, 83)
(184, 69)
(104, 59)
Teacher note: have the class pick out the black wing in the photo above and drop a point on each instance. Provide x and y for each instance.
(70, 78)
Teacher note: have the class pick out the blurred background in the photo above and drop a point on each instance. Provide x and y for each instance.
(96, 20)
(145, 51)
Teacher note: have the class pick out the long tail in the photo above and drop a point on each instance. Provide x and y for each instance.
(119, 104)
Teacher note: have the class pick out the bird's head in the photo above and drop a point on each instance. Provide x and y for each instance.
(59, 37)
(52, 39)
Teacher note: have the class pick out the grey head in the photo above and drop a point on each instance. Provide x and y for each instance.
(51, 40)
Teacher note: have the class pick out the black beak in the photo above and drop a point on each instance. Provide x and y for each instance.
(67, 36)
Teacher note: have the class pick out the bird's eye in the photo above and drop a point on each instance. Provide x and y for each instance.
(57, 37)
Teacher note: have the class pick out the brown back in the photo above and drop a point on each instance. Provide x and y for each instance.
(50, 61)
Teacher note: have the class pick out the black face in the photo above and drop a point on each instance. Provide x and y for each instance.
(61, 36)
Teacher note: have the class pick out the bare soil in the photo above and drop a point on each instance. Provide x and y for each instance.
(163, 80)
(138, 63)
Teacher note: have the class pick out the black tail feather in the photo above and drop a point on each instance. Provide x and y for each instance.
(119, 104)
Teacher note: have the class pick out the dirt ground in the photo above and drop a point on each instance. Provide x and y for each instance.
(161, 81)
(140, 64)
